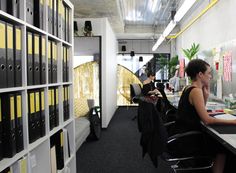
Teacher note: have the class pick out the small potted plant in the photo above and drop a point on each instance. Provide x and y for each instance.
(190, 53)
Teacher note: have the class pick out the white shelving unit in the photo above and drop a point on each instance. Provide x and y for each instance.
(38, 152)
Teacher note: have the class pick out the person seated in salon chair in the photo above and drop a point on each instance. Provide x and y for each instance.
(192, 110)
(149, 88)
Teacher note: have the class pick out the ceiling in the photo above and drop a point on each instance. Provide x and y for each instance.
(130, 19)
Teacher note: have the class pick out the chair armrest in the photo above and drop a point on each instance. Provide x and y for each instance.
(169, 124)
(171, 110)
(183, 135)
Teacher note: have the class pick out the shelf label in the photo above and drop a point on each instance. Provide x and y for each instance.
(18, 39)
(12, 108)
(42, 100)
(18, 99)
(2, 36)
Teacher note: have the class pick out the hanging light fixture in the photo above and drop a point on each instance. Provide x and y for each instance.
(187, 4)
(140, 59)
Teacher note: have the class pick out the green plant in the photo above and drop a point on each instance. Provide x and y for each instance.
(190, 53)
(174, 61)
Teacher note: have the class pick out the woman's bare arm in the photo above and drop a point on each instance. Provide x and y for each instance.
(196, 98)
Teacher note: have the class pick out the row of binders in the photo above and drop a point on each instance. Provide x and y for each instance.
(52, 62)
(11, 125)
(36, 114)
(66, 107)
(53, 104)
(36, 59)
(58, 19)
(65, 64)
(58, 15)
(60, 149)
(20, 166)
(11, 55)
(11, 7)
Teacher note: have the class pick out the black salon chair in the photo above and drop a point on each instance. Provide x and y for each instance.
(135, 94)
(183, 151)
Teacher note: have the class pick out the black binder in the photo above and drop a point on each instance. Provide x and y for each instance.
(67, 24)
(56, 121)
(30, 11)
(13, 7)
(43, 60)
(3, 5)
(31, 116)
(57, 140)
(30, 71)
(19, 123)
(51, 108)
(42, 20)
(1, 132)
(54, 62)
(37, 115)
(3, 55)
(36, 60)
(17, 56)
(63, 27)
(42, 113)
(10, 56)
(67, 64)
(64, 104)
(67, 102)
(64, 64)
(50, 17)
(37, 13)
(54, 17)
(59, 24)
(49, 61)
(8, 120)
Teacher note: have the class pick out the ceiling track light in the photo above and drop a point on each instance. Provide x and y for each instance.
(169, 28)
(187, 4)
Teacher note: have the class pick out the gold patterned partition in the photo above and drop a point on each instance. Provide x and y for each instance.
(124, 78)
(86, 81)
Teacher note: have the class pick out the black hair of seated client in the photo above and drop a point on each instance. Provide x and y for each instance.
(150, 73)
(195, 66)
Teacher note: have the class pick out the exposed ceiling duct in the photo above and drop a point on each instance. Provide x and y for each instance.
(129, 18)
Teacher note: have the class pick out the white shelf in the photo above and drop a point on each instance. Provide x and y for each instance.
(36, 86)
(12, 18)
(33, 28)
(4, 90)
(38, 152)
(37, 143)
(6, 162)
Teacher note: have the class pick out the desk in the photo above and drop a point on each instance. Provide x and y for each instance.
(173, 99)
(227, 140)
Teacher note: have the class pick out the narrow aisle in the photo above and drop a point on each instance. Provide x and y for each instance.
(118, 150)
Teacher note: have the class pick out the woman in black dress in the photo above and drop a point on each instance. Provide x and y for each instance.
(191, 109)
(148, 85)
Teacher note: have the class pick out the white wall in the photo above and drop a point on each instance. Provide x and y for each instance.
(218, 25)
(101, 27)
(109, 71)
(143, 46)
